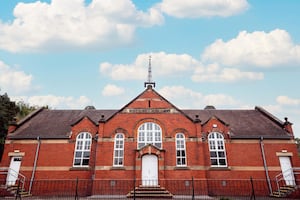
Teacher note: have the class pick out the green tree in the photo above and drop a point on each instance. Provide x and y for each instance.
(24, 110)
(8, 110)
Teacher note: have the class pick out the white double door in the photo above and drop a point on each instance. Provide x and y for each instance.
(287, 170)
(13, 171)
(149, 170)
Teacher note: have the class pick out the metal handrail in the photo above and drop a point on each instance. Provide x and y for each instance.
(17, 175)
(279, 177)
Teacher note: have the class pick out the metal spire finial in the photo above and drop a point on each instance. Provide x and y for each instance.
(149, 70)
(149, 82)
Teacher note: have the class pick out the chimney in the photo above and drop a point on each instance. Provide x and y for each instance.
(288, 126)
(12, 126)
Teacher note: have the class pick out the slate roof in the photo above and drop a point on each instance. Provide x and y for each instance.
(56, 124)
(246, 123)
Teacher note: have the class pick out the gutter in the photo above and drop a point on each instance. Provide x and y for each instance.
(35, 163)
(265, 163)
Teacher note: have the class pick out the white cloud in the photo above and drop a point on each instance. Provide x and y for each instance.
(285, 100)
(112, 90)
(287, 107)
(257, 48)
(214, 73)
(41, 26)
(187, 97)
(203, 8)
(55, 102)
(163, 64)
(219, 100)
(14, 81)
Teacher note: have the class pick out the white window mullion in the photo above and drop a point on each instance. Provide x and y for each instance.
(217, 150)
(118, 157)
(149, 133)
(180, 150)
(82, 150)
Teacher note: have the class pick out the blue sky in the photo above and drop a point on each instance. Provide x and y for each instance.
(231, 54)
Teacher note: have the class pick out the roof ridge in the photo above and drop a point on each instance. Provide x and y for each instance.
(29, 116)
(269, 115)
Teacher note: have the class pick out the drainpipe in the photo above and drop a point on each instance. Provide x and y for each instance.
(95, 157)
(93, 176)
(35, 163)
(265, 163)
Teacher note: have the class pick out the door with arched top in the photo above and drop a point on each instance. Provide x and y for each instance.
(149, 170)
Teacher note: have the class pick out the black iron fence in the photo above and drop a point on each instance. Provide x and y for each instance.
(120, 189)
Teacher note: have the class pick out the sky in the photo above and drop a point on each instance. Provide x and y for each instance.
(69, 54)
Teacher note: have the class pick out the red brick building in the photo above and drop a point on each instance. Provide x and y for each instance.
(151, 140)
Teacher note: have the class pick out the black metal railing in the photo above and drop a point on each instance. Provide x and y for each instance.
(119, 189)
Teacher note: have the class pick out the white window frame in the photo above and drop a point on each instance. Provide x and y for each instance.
(82, 151)
(149, 133)
(118, 158)
(181, 160)
(217, 150)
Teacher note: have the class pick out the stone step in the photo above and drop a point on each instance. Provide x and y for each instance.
(283, 191)
(150, 192)
(14, 188)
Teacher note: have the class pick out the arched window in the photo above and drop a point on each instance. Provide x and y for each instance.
(119, 150)
(149, 133)
(180, 150)
(82, 150)
(217, 150)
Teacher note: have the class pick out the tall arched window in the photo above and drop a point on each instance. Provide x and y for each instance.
(217, 150)
(180, 150)
(149, 133)
(119, 150)
(82, 150)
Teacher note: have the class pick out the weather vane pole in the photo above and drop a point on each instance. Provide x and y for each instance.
(149, 82)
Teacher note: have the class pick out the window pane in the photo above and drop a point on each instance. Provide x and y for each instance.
(79, 145)
(214, 162)
(87, 145)
(141, 145)
(221, 154)
(85, 161)
(141, 136)
(212, 145)
(88, 136)
(141, 127)
(86, 154)
(80, 136)
(220, 145)
(77, 162)
(222, 162)
(78, 154)
(183, 153)
(158, 145)
(213, 154)
(120, 162)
